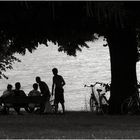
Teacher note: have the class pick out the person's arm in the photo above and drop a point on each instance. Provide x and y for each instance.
(30, 93)
(4, 94)
(48, 90)
(23, 93)
(53, 86)
(63, 82)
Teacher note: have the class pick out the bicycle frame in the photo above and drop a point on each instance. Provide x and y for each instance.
(92, 91)
(131, 105)
(93, 98)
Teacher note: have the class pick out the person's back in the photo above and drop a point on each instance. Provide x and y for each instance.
(43, 87)
(17, 91)
(58, 81)
(20, 93)
(45, 92)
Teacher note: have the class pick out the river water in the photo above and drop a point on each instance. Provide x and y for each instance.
(90, 65)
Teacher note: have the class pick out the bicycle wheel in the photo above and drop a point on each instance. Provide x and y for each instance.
(125, 106)
(93, 105)
(135, 107)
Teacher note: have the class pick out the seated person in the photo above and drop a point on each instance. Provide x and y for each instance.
(8, 92)
(16, 93)
(33, 92)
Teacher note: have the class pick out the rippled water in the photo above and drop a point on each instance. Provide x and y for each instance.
(89, 66)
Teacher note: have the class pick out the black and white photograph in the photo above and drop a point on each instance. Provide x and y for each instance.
(69, 69)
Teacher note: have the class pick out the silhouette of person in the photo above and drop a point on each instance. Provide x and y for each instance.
(45, 92)
(58, 83)
(34, 92)
(8, 91)
(18, 93)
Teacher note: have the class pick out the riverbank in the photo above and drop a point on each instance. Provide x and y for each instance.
(73, 124)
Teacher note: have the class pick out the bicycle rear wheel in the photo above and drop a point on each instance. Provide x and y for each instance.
(125, 106)
(135, 107)
(130, 106)
(93, 105)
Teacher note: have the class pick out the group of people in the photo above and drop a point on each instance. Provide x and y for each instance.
(57, 92)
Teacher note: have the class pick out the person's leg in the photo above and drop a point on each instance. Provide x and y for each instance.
(56, 101)
(63, 107)
(42, 107)
(62, 102)
(56, 107)
(7, 110)
(47, 107)
(4, 110)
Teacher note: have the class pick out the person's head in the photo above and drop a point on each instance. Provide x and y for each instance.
(55, 71)
(17, 85)
(9, 87)
(35, 86)
(38, 79)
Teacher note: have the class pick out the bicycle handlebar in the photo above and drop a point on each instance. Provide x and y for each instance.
(93, 84)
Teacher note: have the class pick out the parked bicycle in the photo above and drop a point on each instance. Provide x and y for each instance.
(131, 105)
(98, 101)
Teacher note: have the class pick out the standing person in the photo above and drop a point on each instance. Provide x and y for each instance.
(58, 83)
(45, 92)
(17, 92)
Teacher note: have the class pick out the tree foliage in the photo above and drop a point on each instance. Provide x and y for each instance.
(7, 57)
(24, 24)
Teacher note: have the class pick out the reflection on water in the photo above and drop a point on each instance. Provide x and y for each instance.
(89, 66)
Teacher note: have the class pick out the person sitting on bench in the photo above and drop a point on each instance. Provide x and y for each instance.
(18, 93)
(7, 93)
(33, 92)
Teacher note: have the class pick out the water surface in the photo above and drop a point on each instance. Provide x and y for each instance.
(90, 65)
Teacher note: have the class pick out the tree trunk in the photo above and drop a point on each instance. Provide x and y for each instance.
(123, 54)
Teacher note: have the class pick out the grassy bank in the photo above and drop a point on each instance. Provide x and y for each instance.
(71, 125)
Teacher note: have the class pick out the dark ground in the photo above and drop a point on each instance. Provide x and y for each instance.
(74, 124)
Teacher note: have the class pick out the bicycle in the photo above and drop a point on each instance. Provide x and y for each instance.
(131, 105)
(96, 105)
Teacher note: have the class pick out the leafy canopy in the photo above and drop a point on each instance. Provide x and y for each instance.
(24, 24)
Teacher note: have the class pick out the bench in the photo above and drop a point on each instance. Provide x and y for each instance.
(22, 102)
